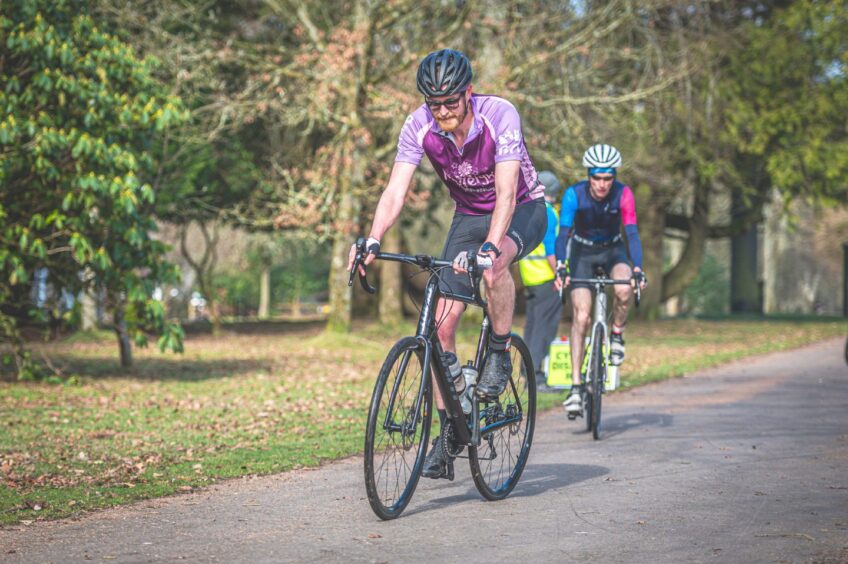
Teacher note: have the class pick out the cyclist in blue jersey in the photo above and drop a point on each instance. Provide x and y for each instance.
(591, 219)
(476, 146)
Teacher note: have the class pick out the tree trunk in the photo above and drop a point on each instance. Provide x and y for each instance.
(651, 227)
(681, 275)
(204, 269)
(771, 253)
(88, 311)
(124, 343)
(339, 319)
(88, 302)
(744, 285)
(355, 154)
(265, 292)
(391, 286)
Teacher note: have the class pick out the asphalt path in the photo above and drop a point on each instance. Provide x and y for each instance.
(746, 462)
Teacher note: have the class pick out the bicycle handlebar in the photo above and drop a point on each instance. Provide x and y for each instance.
(610, 281)
(475, 267)
(604, 281)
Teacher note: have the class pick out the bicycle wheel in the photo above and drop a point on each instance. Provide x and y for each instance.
(398, 429)
(598, 370)
(506, 429)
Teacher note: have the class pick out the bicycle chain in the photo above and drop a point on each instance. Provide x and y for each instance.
(449, 440)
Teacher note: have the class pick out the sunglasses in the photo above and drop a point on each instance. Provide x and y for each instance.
(450, 104)
(602, 178)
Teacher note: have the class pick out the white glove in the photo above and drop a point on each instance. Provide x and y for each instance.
(372, 246)
(461, 261)
(485, 262)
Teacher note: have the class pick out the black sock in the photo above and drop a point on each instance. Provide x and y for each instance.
(498, 342)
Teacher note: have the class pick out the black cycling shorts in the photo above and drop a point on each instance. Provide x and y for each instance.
(467, 232)
(584, 258)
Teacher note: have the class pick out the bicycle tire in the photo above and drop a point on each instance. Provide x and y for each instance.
(391, 472)
(497, 464)
(597, 381)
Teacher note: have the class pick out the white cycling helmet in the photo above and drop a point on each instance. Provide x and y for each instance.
(602, 156)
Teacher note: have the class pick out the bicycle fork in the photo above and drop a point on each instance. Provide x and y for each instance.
(598, 318)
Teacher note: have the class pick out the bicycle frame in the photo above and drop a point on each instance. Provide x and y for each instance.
(433, 351)
(599, 317)
(429, 340)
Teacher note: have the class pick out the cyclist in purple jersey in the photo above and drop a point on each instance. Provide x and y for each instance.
(468, 171)
(476, 146)
(593, 214)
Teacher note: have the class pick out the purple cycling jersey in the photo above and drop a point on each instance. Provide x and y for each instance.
(469, 172)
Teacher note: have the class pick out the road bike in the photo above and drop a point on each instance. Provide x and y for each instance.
(593, 374)
(498, 431)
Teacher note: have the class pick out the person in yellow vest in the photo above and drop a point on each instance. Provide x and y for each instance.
(544, 305)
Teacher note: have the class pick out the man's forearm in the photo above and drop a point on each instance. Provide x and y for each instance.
(391, 201)
(387, 212)
(501, 218)
(506, 185)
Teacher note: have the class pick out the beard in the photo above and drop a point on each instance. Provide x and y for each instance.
(448, 124)
(453, 121)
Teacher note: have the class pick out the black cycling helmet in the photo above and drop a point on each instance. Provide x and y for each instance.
(443, 73)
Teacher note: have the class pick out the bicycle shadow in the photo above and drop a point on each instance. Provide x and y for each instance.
(536, 479)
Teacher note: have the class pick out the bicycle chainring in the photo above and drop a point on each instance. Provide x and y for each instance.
(449, 440)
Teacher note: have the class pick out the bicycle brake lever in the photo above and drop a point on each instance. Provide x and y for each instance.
(474, 278)
(358, 262)
(363, 281)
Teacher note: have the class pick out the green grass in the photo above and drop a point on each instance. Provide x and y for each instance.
(257, 403)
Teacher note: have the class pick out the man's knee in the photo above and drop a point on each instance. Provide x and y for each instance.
(448, 317)
(581, 317)
(622, 293)
(498, 273)
(449, 320)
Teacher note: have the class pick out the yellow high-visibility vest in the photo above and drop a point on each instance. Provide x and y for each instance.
(535, 268)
